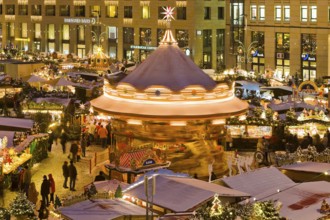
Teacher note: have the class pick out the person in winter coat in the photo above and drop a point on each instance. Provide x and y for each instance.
(27, 180)
(65, 170)
(33, 193)
(45, 191)
(51, 187)
(73, 176)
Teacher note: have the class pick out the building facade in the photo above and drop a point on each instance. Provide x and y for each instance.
(290, 37)
(126, 29)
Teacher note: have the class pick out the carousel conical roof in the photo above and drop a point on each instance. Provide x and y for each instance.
(168, 66)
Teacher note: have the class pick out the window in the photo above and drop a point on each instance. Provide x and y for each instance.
(303, 13)
(278, 13)
(207, 38)
(221, 13)
(36, 10)
(10, 9)
(128, 35)
(66, 32)
(181, 13)
(308, 56)
(11, 29)
(160, 11)
(145, 36)
(128, 12)
(236, 13)
(79, 11)
(112, 32)
(64, 10)
(81, 33)
(313, 11)
(207, 13)
(262, 12)
(287, 13)
(253, 12)
(95, 11)
(23, 10)
(145, 12)
(0, 9)
(51, 32)
(160, 35)
(112, 11)
(24, 31)
(182, 36)
(37, 30)
(50, 10)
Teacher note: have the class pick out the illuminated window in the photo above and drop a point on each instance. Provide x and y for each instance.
(262, 12)
(11, 29)
(66, 32)
(253, 15)
(51, 47)
(112, 11)
(24, 30)
(96, 11)
(51, 32)
(66, 48)
(287, 13)
(145, 12)
(81, 33)
(278, 13)
(37, 30)
(313, 11)
(112, 32)
(304, 13)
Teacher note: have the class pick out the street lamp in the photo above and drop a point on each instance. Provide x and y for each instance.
(245, 53)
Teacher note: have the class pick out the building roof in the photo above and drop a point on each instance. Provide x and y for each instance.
(15, 124)
(101, 209)
(181, 194)
(303, 200)
(170, 110)
(258, 181)
(312, 167)
(168, 66)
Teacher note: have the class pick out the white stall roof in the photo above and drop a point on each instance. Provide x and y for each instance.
(16, 123)
(312, 167)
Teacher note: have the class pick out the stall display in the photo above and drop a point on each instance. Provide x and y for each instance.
(236, 130)
(249, 131)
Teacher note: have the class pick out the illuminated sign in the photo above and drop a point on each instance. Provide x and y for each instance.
(307, 57)
(149, 162)
(79, 20)
(143, 47)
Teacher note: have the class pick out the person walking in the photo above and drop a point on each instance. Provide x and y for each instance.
(45, 191)
(73, 176)
(74, 151)
(91, 131)
(27, 180)
(84, 144)
(103, 134)
(64, 139)
(33, 193)
(50, 141)
(65, 170)
(51, 187)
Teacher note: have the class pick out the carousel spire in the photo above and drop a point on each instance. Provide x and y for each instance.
(168, 36)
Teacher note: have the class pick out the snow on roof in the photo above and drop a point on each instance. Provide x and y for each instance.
(303, 200)
(258, 181)
(181, 194)
(101, 209)
(312, 167)
(16, 123)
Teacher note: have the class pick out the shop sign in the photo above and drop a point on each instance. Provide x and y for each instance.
(149, 162)
(307, 57)
(143, 47)
(79, 20)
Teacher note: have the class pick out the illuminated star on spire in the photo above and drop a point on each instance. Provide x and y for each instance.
(168, 13)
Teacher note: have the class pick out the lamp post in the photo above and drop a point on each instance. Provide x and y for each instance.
(245, 53)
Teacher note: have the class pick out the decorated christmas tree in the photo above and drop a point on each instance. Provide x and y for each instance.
(4, 214)
(21, 207)
(266, 210)
(118, 193)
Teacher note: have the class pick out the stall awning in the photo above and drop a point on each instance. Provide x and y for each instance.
(15, 124)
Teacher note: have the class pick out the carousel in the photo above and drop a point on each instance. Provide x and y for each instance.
(170, 106)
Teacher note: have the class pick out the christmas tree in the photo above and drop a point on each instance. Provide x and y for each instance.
(266, 210)
(118, 193)
(22, 207)
(4, 214)
(216, 208)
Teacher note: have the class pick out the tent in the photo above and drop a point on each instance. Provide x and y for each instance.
(108, 185)
(33, 79)
(59, 82)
